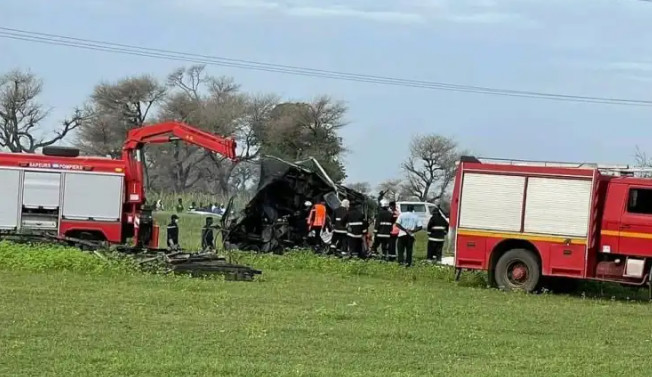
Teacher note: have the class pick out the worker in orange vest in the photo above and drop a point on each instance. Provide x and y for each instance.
(316, 222)
(393, 235)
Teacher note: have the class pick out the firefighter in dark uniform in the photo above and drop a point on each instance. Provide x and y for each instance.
(382, 229)
(437, 230)
(207, 236)
(339, 241)
(393, 235)
(356, 230)
(173, 233)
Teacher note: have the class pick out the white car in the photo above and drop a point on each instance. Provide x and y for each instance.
(422, 209)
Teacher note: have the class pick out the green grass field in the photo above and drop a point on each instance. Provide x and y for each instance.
(65, 313)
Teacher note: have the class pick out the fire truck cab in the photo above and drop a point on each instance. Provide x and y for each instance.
(525, 221)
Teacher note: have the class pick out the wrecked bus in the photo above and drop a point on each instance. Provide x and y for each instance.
(274, 220)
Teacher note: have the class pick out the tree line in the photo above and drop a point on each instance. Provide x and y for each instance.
(261, 123)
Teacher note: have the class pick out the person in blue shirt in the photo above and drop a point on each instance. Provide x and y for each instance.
(408, 224)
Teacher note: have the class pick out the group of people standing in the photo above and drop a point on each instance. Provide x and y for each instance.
(394, 232)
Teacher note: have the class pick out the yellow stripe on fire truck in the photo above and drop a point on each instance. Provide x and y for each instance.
(522, 236)
(617, 233)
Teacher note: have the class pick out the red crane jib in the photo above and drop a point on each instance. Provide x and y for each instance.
(172, 131)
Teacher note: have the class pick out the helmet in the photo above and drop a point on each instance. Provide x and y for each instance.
(308, 203)
(346, 203)
(384, 203)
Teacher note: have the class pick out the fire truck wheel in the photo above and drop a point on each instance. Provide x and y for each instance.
(518, 269)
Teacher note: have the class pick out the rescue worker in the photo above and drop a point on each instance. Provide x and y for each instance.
(356, 225)
(316, 222)
(180, 205)
(382, 229)
(408, 224)
(339, 241)
(207, 237)
(437, 230)
(173, 233)
(393, 234)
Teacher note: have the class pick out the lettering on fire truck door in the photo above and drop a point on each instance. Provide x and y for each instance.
(635, 234)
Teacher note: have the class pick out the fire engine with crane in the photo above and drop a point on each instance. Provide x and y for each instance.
(62, 196)
(526, 221)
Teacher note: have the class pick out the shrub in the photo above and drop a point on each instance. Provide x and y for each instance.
(39, 257)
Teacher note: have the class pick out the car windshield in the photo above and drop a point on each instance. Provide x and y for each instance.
(417, 207)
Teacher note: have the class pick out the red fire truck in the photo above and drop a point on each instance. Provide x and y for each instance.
(64, 196)
(525, 221)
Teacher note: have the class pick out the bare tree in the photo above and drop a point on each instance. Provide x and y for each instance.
(643, 161)
(175, 166)
(245, 118)
(114, 109)
(21, 114)
(431, 166)
(216, 105)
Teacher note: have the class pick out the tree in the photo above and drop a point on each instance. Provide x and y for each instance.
(431, 166)
(114, 109)
(21, 114)
(175, 166)
(361, 187)
(216, 105)
(301, 130)
(244, 117)
(391, 189)
(643, 161)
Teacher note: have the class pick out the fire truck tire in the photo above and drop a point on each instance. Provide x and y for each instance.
(518, 269)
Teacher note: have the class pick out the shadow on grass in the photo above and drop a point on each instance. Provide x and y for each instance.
(307, 261)
(611, 291)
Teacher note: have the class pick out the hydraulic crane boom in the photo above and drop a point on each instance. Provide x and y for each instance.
(157, 134)
(173, 131)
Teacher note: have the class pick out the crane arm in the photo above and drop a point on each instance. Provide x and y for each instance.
(171, 131)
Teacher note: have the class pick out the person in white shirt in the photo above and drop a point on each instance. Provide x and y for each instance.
(408, 224)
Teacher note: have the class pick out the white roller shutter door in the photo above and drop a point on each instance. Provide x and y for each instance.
(41, 190)
(558, 206)
(492, 202)
(9, 198)
(93, 196)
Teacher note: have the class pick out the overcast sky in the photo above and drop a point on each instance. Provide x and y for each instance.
(579, 47)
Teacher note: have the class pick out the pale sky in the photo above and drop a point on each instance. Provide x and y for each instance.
(578, 47)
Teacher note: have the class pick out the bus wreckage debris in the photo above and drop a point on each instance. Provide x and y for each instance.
(199, 264)
(194, 264)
